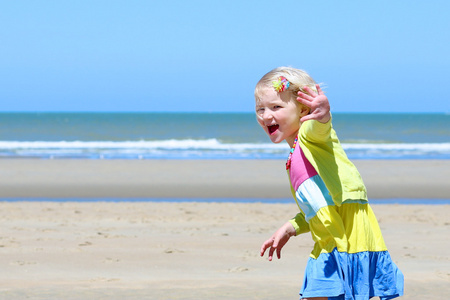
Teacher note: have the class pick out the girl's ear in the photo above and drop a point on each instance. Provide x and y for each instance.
(304, 110)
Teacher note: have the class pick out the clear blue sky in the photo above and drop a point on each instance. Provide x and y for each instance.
(373, 56)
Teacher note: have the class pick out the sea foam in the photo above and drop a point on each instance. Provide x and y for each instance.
(206, 148)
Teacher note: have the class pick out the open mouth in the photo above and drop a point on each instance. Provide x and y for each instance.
(272, 128)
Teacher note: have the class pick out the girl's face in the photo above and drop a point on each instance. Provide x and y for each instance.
(279, 115)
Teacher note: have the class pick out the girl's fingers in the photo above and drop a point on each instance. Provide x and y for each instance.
(271, 252)
(306, 118)
(264, 246)
(319, 90)
(310, 91)
(279, 253)
(304, 98)
(308, 102)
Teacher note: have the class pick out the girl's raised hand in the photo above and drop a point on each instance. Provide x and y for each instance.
(317, 102)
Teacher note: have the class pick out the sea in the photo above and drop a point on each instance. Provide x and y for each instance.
(210, 136)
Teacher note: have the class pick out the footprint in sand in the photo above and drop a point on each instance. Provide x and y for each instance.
(23, 263)
(109, 260)
(170, 251)
(238, 270)
(85, 244)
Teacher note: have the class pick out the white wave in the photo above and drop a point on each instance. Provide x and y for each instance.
(210, 148)
(212, 144)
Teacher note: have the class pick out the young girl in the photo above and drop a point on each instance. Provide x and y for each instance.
(349, 259)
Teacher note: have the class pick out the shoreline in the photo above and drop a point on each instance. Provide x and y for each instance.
(247, 179)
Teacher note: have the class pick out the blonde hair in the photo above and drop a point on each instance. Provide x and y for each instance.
(296, 77)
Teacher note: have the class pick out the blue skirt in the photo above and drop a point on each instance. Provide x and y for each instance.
(354, 276)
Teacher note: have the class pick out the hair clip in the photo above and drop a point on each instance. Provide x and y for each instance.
(281, 84)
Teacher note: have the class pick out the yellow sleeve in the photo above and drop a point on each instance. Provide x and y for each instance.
(315, 131)
(300, 224)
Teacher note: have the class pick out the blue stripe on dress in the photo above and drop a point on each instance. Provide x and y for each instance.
(312, 195)
(357, 276)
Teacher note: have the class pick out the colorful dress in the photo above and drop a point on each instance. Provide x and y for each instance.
(350, 259)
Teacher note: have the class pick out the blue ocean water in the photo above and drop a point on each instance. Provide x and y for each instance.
(210, 136)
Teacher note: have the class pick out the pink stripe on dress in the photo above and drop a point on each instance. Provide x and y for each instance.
(301, 169)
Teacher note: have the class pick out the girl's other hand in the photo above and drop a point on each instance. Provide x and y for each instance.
(278, 240)
(317, 102)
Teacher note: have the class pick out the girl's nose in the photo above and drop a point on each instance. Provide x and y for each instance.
(267, 115)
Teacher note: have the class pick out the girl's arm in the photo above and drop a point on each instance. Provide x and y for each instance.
(317, 102)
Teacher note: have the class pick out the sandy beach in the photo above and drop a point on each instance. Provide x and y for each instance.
(191, 250)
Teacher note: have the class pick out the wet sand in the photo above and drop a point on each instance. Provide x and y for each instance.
(204, 178)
